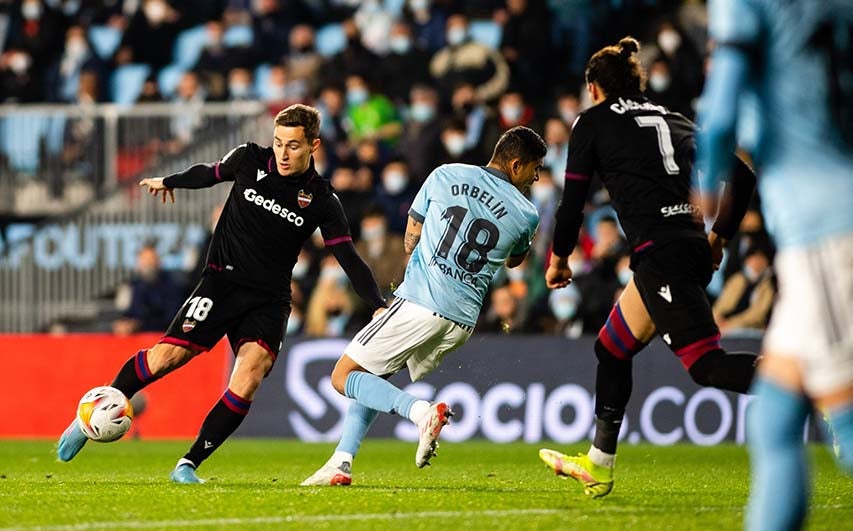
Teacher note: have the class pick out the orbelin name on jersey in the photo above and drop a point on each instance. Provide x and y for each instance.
(252, 196)
(482, 196)
(623, 106)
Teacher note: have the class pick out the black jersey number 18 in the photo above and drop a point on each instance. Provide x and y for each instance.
(455, 215)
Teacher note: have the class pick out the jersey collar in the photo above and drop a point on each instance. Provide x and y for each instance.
(497, 173)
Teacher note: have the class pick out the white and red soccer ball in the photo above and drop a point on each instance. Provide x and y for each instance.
(104, 414)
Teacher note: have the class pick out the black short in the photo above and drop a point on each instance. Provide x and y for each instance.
(671, 281)
(220, 307)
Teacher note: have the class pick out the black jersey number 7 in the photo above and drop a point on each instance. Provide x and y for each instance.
(667, 152)
(471, 245)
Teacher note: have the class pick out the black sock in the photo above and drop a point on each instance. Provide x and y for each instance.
(613, 383)
(220, 423)
(733, 371)
(134, 375)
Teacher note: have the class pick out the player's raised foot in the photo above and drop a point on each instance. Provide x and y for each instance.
(597, 481)
(330, 476)
(72, 441)
(184, 473)
(429, 427)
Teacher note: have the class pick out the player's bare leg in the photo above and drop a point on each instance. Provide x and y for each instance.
(629, 328)
(140, 370)
(252, 363)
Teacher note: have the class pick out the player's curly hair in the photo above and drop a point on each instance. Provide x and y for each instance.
(616, 68)
(301, 115)
(519, 142)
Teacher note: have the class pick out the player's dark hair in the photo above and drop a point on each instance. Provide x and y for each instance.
(616, 68)
(519, 142)
(299, 115)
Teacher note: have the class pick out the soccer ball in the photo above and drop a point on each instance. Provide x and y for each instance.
(104, 414)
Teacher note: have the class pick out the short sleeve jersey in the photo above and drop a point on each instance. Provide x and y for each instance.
(473, 219)
(800, 56)
(267, 218)
(643, 154)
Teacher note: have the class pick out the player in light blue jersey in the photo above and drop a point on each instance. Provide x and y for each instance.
(464, 225)
(795, 58)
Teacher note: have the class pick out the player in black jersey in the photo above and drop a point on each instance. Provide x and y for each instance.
(644, 156)
(276, 202)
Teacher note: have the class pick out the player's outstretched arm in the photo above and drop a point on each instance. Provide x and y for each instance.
(194, 177)
(360, 275)
(413, 234)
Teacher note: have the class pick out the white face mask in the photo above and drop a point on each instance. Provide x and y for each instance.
(356, 96)
(625, 276)
(294, 323)
(76, 48)
(19, 63)
(300, 269)
(31, 10)
(333, 273)
(577, 266)
(418, 5)
(456, 35)
(669, 41)
(395, 182)
(422, 112)
(511, 113)
(659, 82)
(239, 90)
(400, 44)
(568, 116)
(564, 303)
(515, 274)
(370, 234)
(541, 193)
(455, 145)
(750, 273)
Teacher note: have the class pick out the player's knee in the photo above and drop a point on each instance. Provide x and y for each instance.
(605, 357)
(164, 357)
(339, 378)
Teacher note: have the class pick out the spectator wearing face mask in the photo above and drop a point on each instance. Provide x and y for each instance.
(428, 23)
(661, 90)
(747, 296)
(331, 103)
(545, 196)
(370, 115)
(563, 305)
(526, 46)
(420, 142)
(382, 250)
(395, 195)
(455, 145)
(217, 60)
(150, 35)
(76, 57)
(330, 307)
(272, 21)
(404, 66)
(240, 85)
(150, 300)
(354, 59)
(568, 107)
(557, 138)
(506, 313)
(302, 61)
(481, 122)
(685, 61)
(32, 49)
(466, 60)
(513, 110)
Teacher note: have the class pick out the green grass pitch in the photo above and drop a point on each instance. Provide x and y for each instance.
(253, 484)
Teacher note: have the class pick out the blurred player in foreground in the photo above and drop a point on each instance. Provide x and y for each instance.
(465, 223)
(276, 202)
(643, 154)
(805, 159)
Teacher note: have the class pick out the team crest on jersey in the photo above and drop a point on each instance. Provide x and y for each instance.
(304, 199)
(188, 325)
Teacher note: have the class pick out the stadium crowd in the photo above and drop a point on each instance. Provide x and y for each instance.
(403, 86)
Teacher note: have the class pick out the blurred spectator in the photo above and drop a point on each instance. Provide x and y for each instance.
(18, 83)
(568, 108)
(453, 140)
(373, 21)
(481, 123)
(563, 305)
(751, 233)
(331, 103)
(64, 80)
(545, 195)
(747, 296)
(272, 22)
(150, 92)
(150, 35)
(661, 90)
(355, 197)
(506, 312)
(609, 243)
(302, 61)
(382, 250)
(526, 45)
(217, 60)
(513, 111)
(420, 142)
(395, 195)
(240, 85)
(557, 138)
(152, 298)
(353, 59)
(186, 118)
(330, 307)
(428, 24)
(466, 60)
(82, 137)
(571, 34)
(404, 66)
(198, 257)
(370, 115)
(280, 91)
(684, 60)
(39, 35)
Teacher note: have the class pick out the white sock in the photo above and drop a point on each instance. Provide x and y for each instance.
(600, 458)
(338, 458)
(185, 461)
(418, 410)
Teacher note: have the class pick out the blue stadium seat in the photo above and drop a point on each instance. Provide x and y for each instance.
(168, 79)
(395, 6)
(20, 134)
(238, 36)
(105, 40)
(262, 75)
(486, 32)
(330, 39)
(55, 134)
(189, 45)
(127, 82)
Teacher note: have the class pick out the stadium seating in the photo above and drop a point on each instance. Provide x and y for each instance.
(486, 32)
(127, 81)
(238, 36)
(189, 45)
(168, 79)
(105, 40)
(330, 39)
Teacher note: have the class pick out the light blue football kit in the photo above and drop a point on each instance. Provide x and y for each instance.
(473, 219)
(794, 59)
